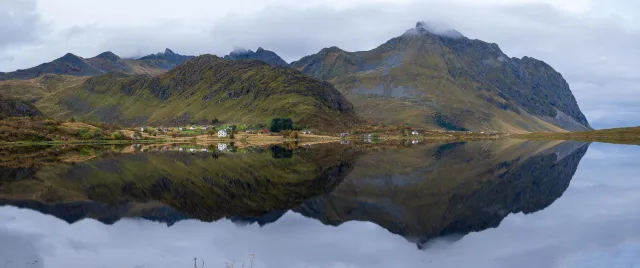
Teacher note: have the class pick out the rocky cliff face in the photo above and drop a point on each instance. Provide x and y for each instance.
(261, 54)
(470, 83)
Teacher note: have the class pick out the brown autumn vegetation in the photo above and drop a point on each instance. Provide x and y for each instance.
(35, 129)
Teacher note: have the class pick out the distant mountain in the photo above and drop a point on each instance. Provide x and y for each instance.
(106, 62)
(200, 90)
(267, 56)
(166, 60)
(438, 78)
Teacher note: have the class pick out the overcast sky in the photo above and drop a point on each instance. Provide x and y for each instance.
(593, 43)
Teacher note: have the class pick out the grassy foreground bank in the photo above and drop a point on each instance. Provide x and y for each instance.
(630, 135)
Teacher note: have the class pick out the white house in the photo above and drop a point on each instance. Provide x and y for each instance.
(192, 128)
(181, 128)
(203, 150)
(222, 133)
(415, 133)
(204, 128)
(142, 129)
(222, 146)
(192, 150)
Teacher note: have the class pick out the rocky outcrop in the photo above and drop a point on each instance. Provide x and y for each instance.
(17, 108)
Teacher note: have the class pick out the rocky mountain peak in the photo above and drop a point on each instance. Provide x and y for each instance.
(108, 56)
(261, 54)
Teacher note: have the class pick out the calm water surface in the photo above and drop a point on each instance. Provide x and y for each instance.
(478, 204)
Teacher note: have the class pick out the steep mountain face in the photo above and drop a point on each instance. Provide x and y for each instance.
(106, 62)
(267, 56)
(202, 89)
(452, 189)
(429, 78)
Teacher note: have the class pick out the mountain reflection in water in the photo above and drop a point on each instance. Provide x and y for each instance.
(419, 192)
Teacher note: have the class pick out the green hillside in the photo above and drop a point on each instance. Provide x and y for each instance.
(200, 90)
(628, 135)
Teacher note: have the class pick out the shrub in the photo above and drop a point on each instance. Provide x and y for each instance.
(86, 136)
(117, 135)
(150, 131)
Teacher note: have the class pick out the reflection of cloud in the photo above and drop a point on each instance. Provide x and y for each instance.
(624, 256)
(18, 250)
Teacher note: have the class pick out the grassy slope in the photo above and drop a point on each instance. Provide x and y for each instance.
(38, 88)
(26, 129)
(630, 135)
(200, 90)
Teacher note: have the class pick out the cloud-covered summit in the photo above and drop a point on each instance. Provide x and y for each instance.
(438, 29)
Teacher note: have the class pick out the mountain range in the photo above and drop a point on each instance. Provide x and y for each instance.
(424, 78)
(105, 62)
(199, 90)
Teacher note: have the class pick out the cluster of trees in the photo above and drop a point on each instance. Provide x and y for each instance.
(280, 124)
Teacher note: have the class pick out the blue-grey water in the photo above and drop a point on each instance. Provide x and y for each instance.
(477, 204)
